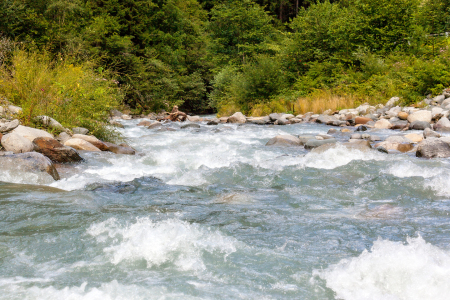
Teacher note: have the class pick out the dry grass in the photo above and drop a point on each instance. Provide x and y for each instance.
(324, 100)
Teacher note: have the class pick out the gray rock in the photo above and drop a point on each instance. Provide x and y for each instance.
(442, 125)
(421, 115)
(49, 122)
(439, 99)
(419, 125)
(190, 126)
(14, 109)
(30, 133)
(80, 130)
(284, 140)
(304, 138)
(313, 143)
(116, 113)
(433, 147)
(356, 136)
(398, 139)
(392, 101)
(154, 125)
(436, 113)
(399, 125)
(8, 126)
(213, 122)
(281, 121)
(16, 143)
(428, 133)
(273, 117)
(63, 137)
(193, 118)
(326, 119)
(259, 120)
(374, 138)
(30, 162)
(360, 145)
(288, 116)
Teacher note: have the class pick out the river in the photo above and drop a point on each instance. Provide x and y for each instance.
(212, 213)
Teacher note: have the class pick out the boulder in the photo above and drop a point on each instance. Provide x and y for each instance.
(398, 139)
(361, 145)
(304, 138)
(8, 126)
(383, 124)
(119, 149)
(56, 151)
(326, 119)
(421, 115)
(16, 143)
(237, 117)
(436, 113)
(433, 147)
(399, 125)
(439, 99)
(49, 122)
(80, 130)
(30, 133)
(259, 120)
(80, 144)
(273, 117)
(284, 140)
(442, 125)
(190, 126)
(402, 115)
(93, 140)
(313, 143)
(414, 137)
(154, 125)
(144, 123)
(362, 120)
(31, 162)
(419, 125)
(281, 121)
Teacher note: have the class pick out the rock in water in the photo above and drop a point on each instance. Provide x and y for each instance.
(433, 147)
(16, 143)
(284, 140)
(56, 151)
(237, 118)
(119, 149)
(311, 144)
(31, 162)
(80, 144)
(190, 126)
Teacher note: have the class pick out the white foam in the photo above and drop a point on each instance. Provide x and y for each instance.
(170, 241)
(392, 270)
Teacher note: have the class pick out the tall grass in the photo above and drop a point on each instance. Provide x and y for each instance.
(73, 94)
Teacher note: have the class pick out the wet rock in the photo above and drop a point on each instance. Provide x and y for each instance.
(374, 138)
(223, 119)
(8, 126)
(91, 139)
(433, 147)
(362, 120)
(442, 125)
(80, 144)
(119, 149)
(164, 129)
(284, 140)
(186, 126)
(400, 125)
(80, 130)
(383, 124)
(55, 151)
(420, 116)
(304, 138)
(31, 162)
(144, 123)
(382, 149)
(193, 118)
(30, 133)
(405, 147)
(346, 130)
(326, 119)
(362, 128)
(332, 130)
(311, 144)
(213, 123)
(419, 125)
(428, 133)
(356, 136)
(360, 145)
(116, 124)
(237, 117)
(273, 117)
(16, 143)
(154, 125)
(114, 187)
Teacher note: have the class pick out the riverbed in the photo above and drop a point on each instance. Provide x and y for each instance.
(212, 213)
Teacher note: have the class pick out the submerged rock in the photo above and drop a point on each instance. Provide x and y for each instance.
(30, 162)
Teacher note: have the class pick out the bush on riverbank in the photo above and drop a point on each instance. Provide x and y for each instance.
(74, 94)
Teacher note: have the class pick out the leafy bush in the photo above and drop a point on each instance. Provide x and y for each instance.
(72, 94)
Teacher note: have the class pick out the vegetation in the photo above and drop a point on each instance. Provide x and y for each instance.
(254, 56)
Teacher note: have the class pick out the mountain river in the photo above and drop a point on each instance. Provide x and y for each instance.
(212, 213)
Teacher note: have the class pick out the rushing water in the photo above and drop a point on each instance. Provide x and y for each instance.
(212, 213)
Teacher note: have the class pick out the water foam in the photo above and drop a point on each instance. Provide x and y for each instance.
(392, 271)
(169, 241)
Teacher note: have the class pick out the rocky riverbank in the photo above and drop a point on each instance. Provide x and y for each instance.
(36, 150)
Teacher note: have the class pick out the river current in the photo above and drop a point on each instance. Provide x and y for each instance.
(212, 213)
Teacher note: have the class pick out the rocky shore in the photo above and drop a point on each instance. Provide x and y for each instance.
(36, 150)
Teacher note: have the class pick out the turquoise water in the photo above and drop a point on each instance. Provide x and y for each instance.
(212, 213)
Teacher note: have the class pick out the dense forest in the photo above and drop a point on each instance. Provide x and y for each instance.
(220, 55)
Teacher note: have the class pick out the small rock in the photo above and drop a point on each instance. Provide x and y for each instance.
(356, 136)
(80, 130)
(383, 124)
(190, 126)
(63, 137)
(154, 125)
(144, 123)
(284, 140)
(421, 115)
(304, 138)
(428, 133)
(126, 117)
(80, 144)
(125, 149)
(237, 117)
(193, 118)
(419, 125)
(49, 122)
(345, 130)
(362, 128)
(213, 123)
(362, 120)
(116, 113)
(223, 119)
(442, 125)
(398, 139)
(259, 120)
(402, 115)
(15, 109)
(414, 137)
(331, 131)
(91, 139)
(374, 138)
(392, 101)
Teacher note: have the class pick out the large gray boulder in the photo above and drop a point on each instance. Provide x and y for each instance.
(29, 162)
(284, 140)
(31, 133)
(8, 126)
(433, 147)
(16, 143)
(421, 115)
(419, 125)
(237, 117)
(313, 143)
